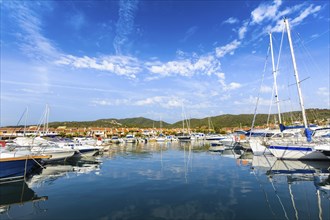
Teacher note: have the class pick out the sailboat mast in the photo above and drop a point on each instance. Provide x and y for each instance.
(275, 81)
(26, 115)
(296, 74)
(182, 119)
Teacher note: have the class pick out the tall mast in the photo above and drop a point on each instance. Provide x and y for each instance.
(275, 76)
(182, 119)
(47, 119)
(26, 115)
(296, 74)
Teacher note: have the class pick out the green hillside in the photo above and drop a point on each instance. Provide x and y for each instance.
(142, 123)
(221, 121)
(113, 123)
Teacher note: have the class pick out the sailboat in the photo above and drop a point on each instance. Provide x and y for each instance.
(296, 149)
(39, 145)
(161, 137)
(256, 139)
(184, 136)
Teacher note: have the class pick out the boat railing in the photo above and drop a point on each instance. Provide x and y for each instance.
(295, 141)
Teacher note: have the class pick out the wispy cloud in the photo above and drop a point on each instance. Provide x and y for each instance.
(190, 32)
(242, 30)
(163, 101)
(233, 85)
(271, 13)
(323, 91)
(227, 87)
(265, 12)
(33, 43)
(125, 25)
(168, 102)
(108, 102)
(251, 101)
(266, 89)
(119, 65)
(207, 65)
(231, 20)
(308, 11)
(227, 49)
(73, 87)
(303, 13)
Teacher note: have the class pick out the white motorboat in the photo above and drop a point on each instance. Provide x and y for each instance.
(41, 146)
(130, 139)
(80, 149)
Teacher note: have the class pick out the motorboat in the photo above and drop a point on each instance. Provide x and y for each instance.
(130, 139)
(18, 164)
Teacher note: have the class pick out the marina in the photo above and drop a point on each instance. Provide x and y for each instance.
(172, 180)
(164, 110)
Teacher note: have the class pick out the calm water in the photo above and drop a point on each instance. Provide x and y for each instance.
(171, 181)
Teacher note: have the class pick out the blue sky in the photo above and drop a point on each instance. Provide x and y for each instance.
(117, 59)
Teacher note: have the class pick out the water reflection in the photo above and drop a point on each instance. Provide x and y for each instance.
(181, 181)
(291, 180)
(67, 168)
(18, 193)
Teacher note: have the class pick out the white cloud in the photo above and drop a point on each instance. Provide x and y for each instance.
(220, 76)
(242, 30)
(163, 101)
(265, 12)
(190, 32)
(231, 20)
(109, 102)
(125, 25)
(224, 85)
(266, 89)
(251, 101)
(102, 102)
(289, 10)
(279, 26)
(33, 43)
(233, 85)
(204, 65)
(305, 13)
(229, 48)
(323, 91)
(168, 102)
(119, 65)
(225, 97)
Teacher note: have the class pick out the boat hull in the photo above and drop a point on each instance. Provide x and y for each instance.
(296, 153)
(258, 148)
(325, 149)
(88, 152)
(17, 168)
(60, 155)
(184, 138)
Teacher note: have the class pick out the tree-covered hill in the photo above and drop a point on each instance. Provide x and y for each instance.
(217, 122)
(139, 122)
